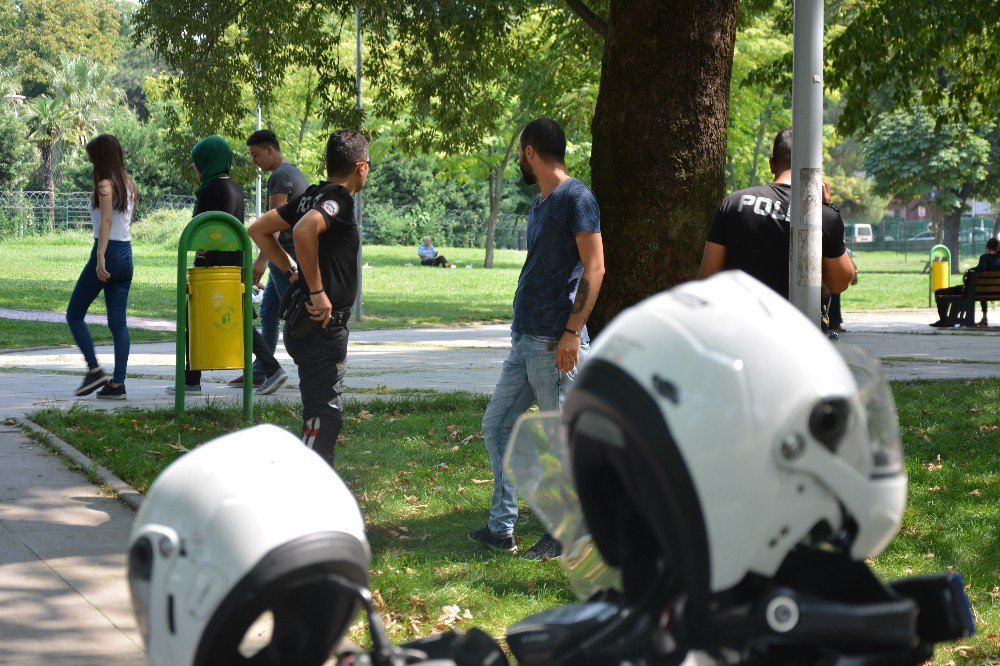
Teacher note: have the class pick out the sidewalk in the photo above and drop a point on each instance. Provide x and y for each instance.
(63, 597)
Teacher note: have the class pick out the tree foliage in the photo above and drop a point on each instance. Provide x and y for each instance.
(932, 157)
(34, 34)
(891, 50)
(911, 157)
(16, 151)
(759, 105)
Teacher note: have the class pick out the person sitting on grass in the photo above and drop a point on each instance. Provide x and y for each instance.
(429, 256)
(990, 261)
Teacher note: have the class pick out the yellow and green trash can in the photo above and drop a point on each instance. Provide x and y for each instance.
(213, 304)
(940, 270)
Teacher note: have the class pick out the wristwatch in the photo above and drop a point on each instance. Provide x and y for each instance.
(291, 271)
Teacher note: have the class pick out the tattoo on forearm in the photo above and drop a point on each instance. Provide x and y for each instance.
(582, 294)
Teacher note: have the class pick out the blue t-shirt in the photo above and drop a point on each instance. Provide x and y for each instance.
(552, 269)
(426, 251)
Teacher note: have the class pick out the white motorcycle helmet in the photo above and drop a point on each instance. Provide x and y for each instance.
(249, 523)
(714, 430)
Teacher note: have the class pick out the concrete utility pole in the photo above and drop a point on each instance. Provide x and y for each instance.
(805, 257)
(358, 314)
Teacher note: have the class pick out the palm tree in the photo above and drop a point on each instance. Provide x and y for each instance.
(85, 88)
(50, 123)
(82, 96)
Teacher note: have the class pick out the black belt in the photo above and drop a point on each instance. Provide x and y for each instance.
(340, 318)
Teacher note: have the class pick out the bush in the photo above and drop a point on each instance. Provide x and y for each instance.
(18, 222)
(162, 227)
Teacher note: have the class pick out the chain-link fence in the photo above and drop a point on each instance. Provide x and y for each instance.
(913, 239)
(32, 213)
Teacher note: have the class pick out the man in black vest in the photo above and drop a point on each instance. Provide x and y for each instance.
(326, 239)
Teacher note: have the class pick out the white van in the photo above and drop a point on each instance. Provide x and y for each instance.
(862, 233)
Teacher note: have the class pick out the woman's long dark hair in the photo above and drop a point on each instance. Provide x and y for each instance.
(106, 155)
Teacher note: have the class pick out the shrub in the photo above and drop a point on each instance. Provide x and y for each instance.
(161, 227)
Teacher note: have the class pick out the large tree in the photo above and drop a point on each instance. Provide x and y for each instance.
(912, 157)
(34, 34)
(659, 130)
(51, 123)
(659, 141)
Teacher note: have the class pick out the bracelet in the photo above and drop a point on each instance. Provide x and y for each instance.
(572, 332)
(318, 291)
(291, 271)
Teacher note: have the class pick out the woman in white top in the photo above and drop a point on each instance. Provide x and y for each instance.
(110, 266)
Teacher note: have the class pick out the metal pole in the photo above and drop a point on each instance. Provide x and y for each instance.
(358, 314)
(258, 168)
(805, 267)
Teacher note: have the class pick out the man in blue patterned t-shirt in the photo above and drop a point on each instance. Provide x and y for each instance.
(556, 291)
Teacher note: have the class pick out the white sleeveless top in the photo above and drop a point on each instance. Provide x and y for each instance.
(120, 221)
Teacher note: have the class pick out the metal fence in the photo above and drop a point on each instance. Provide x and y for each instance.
(914, 239)
(30, 213)
(33, 213)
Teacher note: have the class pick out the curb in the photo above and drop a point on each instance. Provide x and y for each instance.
(126, 493)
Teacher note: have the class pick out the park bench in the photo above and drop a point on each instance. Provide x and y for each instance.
(979, 286)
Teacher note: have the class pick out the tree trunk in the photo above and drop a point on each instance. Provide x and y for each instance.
(49, 184)
(491, 226)
(953, 225)
(496, 196)
(949, 236)
(658, 175)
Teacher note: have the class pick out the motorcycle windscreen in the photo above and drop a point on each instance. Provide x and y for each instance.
(537, 461)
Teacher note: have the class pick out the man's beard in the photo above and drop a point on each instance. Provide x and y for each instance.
(526, 176)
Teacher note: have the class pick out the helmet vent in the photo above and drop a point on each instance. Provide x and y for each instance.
(667, 389)
(828, 422)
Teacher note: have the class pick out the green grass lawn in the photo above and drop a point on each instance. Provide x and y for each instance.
(890, 280)
(420, 473)
(19, 333)
(395, 294)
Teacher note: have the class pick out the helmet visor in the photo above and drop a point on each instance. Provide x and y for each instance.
(879, 409)
(537, 461)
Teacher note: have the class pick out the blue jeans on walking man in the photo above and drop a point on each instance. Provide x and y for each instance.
(277, 285)
(118, 262)
(529, 376)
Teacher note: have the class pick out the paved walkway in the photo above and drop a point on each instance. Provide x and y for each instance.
(63, 598)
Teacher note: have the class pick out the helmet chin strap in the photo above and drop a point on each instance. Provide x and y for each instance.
(383, 653)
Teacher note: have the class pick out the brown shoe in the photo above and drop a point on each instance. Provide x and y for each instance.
(983, 323)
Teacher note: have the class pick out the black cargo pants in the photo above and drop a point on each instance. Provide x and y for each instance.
(321, 359)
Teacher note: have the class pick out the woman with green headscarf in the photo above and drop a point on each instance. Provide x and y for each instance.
(213, 158)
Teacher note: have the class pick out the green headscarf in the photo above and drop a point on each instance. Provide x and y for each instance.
(213, 157)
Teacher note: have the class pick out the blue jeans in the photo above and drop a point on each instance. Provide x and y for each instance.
(118, 262)
(529, 375)
(277, 285)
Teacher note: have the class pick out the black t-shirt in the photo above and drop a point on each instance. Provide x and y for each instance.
(753, 225)
(222, 194)
(338, 245)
